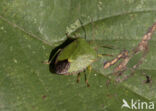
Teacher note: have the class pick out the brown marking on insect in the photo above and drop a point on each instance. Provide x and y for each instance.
(123, 54)
(61, 67)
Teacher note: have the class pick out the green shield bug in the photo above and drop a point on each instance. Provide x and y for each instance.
(75, 55)
(73, 58)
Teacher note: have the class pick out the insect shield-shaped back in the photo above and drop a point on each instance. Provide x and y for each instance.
(74, 58)
(61, 67)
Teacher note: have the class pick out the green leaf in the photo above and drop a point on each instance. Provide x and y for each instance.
(30, 29)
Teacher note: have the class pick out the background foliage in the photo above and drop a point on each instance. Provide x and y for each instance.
(30, 29)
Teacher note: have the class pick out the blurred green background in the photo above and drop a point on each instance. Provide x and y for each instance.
(30, 29)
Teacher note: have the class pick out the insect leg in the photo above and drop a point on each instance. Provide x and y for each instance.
(86, 80)
(78, 77)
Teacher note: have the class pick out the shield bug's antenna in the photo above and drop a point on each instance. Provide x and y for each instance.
(83, 27)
